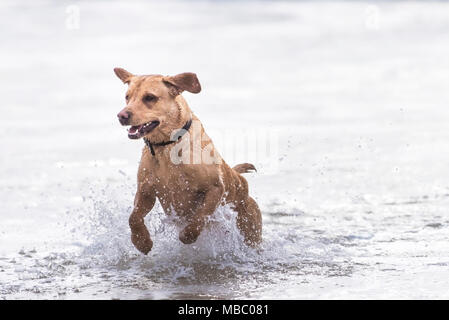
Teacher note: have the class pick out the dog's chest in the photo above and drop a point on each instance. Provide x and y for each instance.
(168, 175)
(176, 189)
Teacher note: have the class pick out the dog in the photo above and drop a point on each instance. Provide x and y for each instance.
(179, 165)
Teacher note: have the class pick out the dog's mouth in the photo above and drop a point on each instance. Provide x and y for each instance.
(137, 132)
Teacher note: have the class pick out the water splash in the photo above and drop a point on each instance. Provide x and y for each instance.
(219, 263)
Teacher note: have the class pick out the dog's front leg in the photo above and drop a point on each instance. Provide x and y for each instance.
(211, 200)
(143, 203)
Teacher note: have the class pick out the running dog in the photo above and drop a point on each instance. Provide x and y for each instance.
(179, 164)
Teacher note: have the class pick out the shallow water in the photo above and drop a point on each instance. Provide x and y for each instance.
(354, 197)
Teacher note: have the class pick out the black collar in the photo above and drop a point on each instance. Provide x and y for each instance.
(177, 136)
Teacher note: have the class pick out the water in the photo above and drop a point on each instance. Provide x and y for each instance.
(354, 201)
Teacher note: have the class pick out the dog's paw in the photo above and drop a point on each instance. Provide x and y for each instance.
(143, 243)
(189, 234)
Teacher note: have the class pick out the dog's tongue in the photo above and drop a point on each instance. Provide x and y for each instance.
(136, 132)
(133, 132)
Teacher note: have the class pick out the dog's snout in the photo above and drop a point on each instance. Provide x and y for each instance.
(124, 116)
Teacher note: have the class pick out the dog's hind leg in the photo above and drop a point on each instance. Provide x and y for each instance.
(249, 217)
(249, 221)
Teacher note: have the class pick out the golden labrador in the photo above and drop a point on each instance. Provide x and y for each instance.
(179, 164)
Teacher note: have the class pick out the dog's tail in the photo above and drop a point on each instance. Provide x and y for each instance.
(244, 168)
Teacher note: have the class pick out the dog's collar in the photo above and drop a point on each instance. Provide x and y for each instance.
(177, 136)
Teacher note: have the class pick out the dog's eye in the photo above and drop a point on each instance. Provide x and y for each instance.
(149, 98)
(127, 97)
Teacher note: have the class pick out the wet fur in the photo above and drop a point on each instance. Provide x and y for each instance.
(191, 191)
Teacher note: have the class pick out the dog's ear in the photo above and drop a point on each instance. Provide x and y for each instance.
(123, 75)
(184, 81)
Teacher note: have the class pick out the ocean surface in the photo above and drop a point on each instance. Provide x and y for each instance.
(352, 98)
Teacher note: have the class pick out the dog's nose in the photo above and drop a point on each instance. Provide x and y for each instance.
(123, 117)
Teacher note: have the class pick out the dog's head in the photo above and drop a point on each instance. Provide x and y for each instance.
(154, 107)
